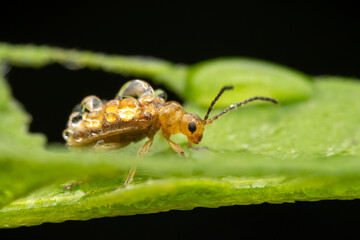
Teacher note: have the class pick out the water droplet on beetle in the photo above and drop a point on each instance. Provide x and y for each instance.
(74, 119)
(66, 134)
(77, 136)
(233, 105)
(161, 94)
(135, 88)
(91, 103)
(77, 108)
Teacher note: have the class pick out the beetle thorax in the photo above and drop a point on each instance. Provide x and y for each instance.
(170, 116)
(174, 119)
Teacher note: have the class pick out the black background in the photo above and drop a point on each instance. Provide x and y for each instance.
(318, 38)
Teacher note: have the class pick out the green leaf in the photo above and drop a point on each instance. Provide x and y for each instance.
(305, 151)
(199, 83)
(24, 163)
(164, 72)
(250, 78)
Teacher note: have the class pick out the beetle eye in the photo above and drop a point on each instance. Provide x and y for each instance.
(192, 127)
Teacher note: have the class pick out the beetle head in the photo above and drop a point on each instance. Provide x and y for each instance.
(192, 126)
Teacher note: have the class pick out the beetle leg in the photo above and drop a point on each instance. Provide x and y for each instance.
(130, 176)
(145, 148)
(176, 147)
(142, 151)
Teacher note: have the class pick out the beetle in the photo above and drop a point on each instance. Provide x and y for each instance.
(138, 112)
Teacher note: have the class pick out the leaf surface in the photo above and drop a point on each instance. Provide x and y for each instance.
(304, 151)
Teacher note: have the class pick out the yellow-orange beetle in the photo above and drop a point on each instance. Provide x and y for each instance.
(137, 112)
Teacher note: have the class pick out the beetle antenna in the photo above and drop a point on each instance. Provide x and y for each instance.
(234, 106)
(215, 100)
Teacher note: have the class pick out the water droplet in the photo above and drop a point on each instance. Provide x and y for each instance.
(91, 103)
(66, 134)
(146, 100)
(126, 114)
(95, 132)
(135, 88)
(112, 106)
(74, 119)
(129, 103)
(77, 108)
(161, 94)
(93, 119)
(233, 105)
(77, 136)
(111, 117)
